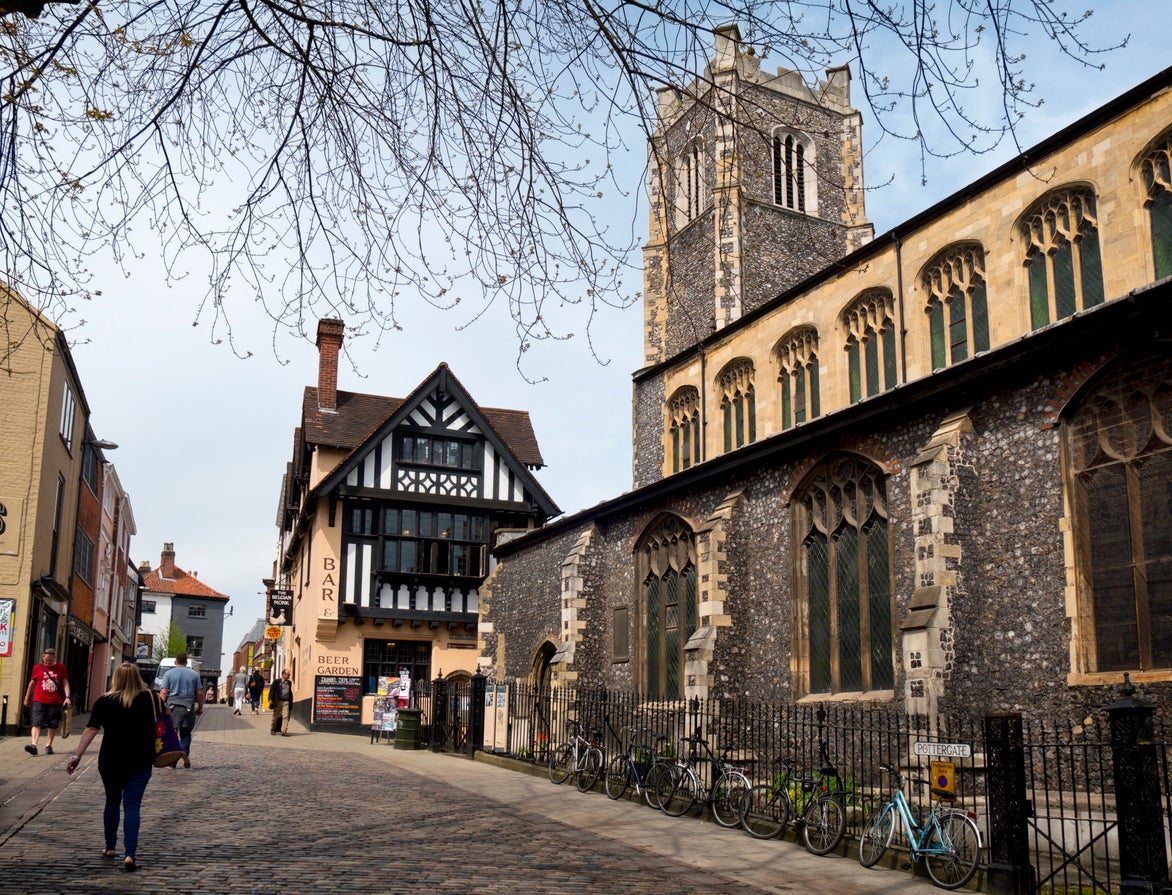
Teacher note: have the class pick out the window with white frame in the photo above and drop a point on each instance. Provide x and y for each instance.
(793, 171)
(68, 415)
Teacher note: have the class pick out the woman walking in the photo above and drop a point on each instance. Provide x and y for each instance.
(127, 715)
(239, 688)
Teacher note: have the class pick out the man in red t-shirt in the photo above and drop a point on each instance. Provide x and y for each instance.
(47, 695)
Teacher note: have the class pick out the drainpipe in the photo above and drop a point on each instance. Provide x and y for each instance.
(703, 408)
(899, 306)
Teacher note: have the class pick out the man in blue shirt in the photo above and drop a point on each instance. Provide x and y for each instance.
(182, 693)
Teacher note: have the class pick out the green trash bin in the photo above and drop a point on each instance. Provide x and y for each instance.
(407, 729)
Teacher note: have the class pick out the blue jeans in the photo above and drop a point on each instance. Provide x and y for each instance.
(128, 792)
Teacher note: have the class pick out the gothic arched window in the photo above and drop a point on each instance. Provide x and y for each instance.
(666, 558)
(869, 322)
(958, 309)
(683, 412)
(844, 575)
(738, 407)
(797, 360)
(793, 171)
(1156, 170)
(1062, 256)
(1118, 441)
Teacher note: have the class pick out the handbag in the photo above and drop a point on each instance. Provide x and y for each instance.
(168, 751)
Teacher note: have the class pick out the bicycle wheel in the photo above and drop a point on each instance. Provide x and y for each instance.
(618, 777)
(727, 794)
(952, 851)
(590, 769)
(764, 811)
(561, 763)
(651, 785)
(825, 822)
(678, 791)
(875, 837)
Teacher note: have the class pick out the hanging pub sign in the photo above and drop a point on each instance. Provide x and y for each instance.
(280, 607)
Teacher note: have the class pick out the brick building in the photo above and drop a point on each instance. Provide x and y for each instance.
(927, 469)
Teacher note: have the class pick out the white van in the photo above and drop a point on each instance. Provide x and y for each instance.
(166, 665)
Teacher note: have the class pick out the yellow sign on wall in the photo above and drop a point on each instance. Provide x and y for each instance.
(944, 776)
(273, 632)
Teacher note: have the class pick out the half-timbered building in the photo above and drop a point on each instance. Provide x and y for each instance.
(388, 510)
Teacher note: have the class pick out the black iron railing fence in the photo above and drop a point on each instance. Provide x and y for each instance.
(1064, 807)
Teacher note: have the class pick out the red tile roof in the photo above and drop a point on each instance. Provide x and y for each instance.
(182, 585)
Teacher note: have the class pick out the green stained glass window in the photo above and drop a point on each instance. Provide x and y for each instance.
(936, 328)
(1065, 300)
(958, 329)
(980, 310)
(889, 371)
(818, 597)
(871, 360)
(815, 402)
(1091, 264)
(852, 358)
(728, 426)
(879, 606)
(1160, 212)
(850, 670)
(1039, 292)
(787, 413)
(799, 395)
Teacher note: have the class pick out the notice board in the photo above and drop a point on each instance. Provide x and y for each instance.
(337, 699)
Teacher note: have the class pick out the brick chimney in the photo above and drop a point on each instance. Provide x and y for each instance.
(329, 344)
(144, 568)
(167, 561)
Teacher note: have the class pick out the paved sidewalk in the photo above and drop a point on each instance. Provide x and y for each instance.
(330, 813)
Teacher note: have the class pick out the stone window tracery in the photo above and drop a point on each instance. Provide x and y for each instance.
(737, 404)
(683, 412)
(690, 186)
(1156, 171)
(957, 306)
(666, 559)
(793, 171)
(844, 575)
(869, 322)
(1118, 444)
(1062, 255)
(797, 360)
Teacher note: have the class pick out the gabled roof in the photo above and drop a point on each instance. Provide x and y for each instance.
(510, 431)
(182, 585)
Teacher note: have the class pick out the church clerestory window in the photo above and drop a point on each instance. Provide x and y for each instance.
(738, 407)
(1157, 180)
(797, 360)
(1062, 256)
(957, 307)
(869, 322)
(684, 426)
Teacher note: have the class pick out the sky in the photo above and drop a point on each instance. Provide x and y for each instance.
(204, 436)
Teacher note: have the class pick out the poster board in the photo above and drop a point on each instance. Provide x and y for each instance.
(337, 699)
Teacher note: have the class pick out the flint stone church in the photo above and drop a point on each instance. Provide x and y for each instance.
(930, 469)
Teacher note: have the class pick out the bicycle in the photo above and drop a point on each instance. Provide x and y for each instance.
(947, 839)
(578, 756)
(637, 765)
(683, 786)
(817, 801)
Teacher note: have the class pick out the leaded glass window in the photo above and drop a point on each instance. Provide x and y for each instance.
(957, 305)
(737, 404)
(797, 360)
(1157, 178)
(667, 567)
(845, 578)
(1119, 447)
(793, 173)
(1062, 256)
(684, 426)
(869, 322)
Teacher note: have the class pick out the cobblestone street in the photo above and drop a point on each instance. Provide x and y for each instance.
(323, 813)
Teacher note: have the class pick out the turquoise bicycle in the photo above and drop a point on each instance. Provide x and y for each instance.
(947, 839)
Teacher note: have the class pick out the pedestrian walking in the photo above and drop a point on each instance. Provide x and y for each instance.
(256, 689)
(46, 697)
(281, 702)
(239, 688)
(182, 693)
(126, 714)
